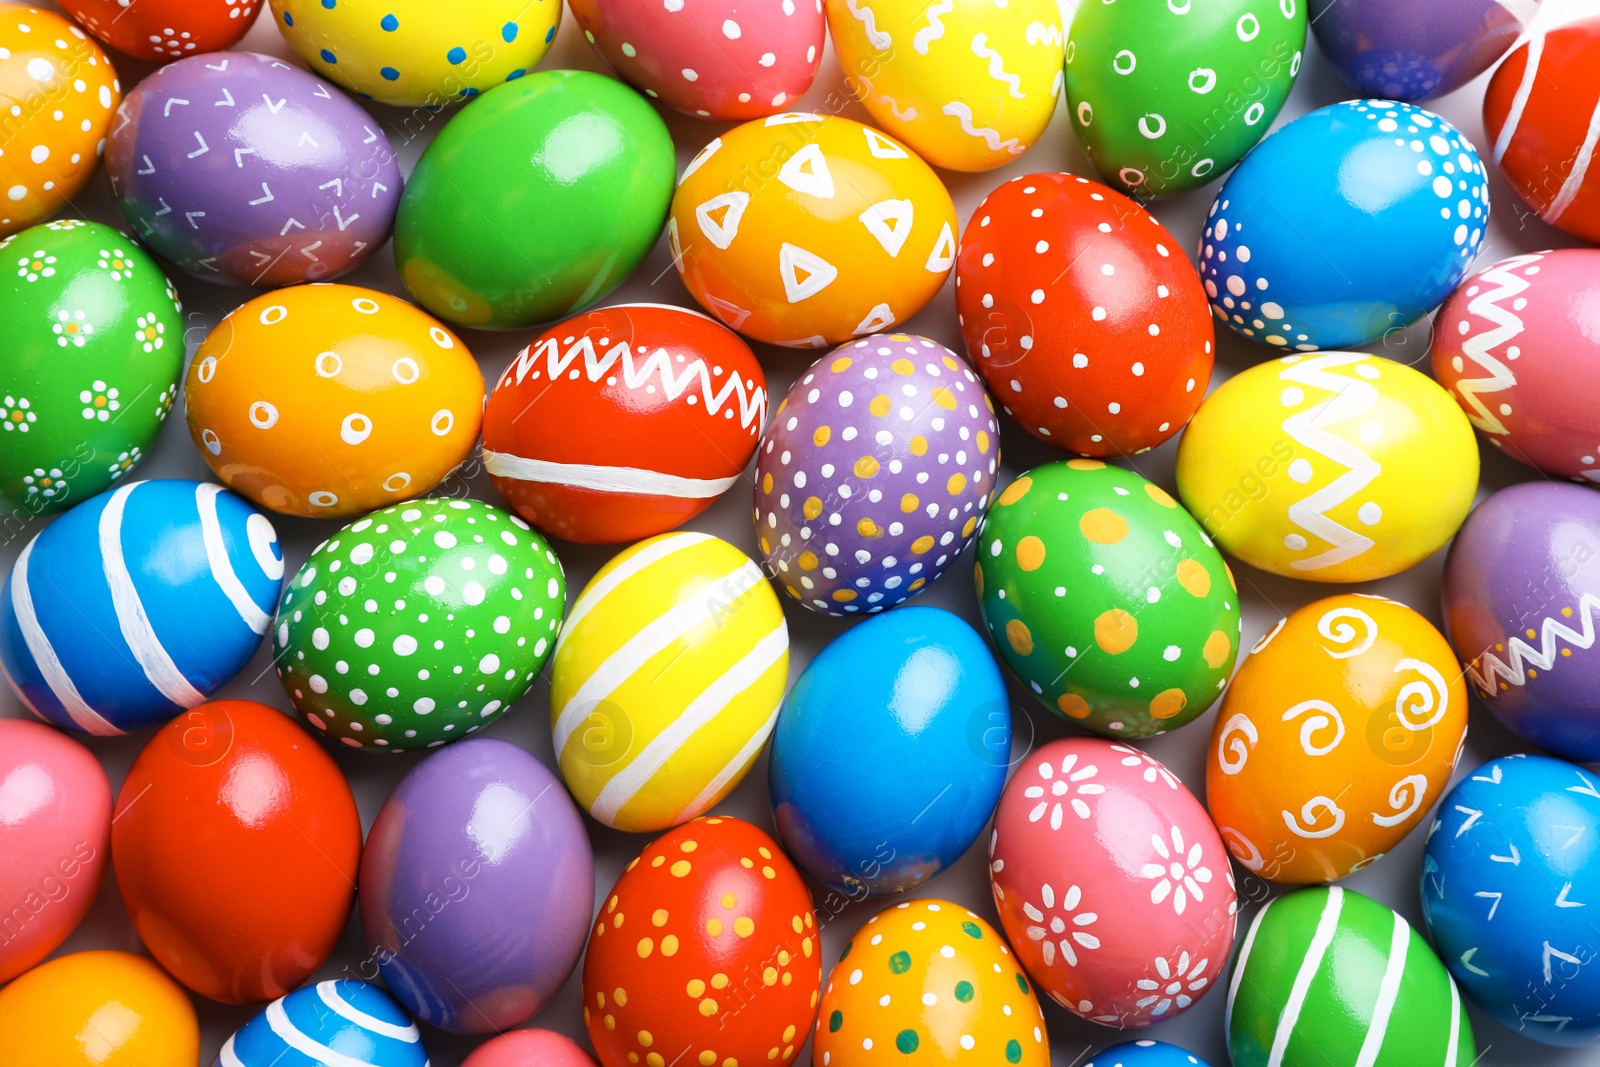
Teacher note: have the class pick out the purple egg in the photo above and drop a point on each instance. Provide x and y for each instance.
(874, 473)
(1415, 50)
(240, 168)
(477, 885)
(1520, 602)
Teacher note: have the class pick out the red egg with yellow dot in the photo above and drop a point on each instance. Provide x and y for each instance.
(164, 30)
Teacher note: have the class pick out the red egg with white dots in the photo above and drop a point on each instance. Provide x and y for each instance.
(164, 30)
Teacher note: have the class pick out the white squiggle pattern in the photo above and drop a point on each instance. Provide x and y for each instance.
(1405, 798)
(1428, 696)
(991, 137)
(1351, 397)
(1501, 286)
(1243, 849)
(875, 37)
(908, 115)
(1335, 628)
(1522, 655)
(1311, 813)
(1266, 638)
(997, 67)
(1238, 736)
(1322, 715)
(1039, 33)
(934, 29)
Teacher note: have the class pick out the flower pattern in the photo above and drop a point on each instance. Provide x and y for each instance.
(1153, 768)
(1056, 931)
(32, 268)
(1066, 788)
(45, 483)
(118, 262)
(71, 328)
(125, 462)
(164, 401)
(150, 332)
(1180, 983)
(1180, 877)
(66, 224)
(16, 414)
(99, 401)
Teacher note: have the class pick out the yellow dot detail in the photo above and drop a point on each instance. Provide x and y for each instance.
(1216, 650)
(646, 946)
(983, 442)
(944, 398)
(696, 988)
(840, 365)
(1030, 553)
(708, 1007)
(866, 467)
(659, 918)
(669, 945)
(688, 846)
(654, 1059)
(680, 869)
(795, 922)
(903, 367)
(956, 484)
(970, 525)
(1015, 491)
(1194, 577)
(821, 435)
(808, 560)
(1073, 706)
(919, 445)
(730, 901)
(766, 483)
(922, 544)
(1167, 703)
(1159, 495)
(744, 926)
(868, 528)
(707, 1058)
(1085, 464)
(719, 981)
(812, 507)
(844, 596)
(788, 1032)
(1019, 637)
(880, 405)
(714, 927)
(1103, 526)
(1115, 631)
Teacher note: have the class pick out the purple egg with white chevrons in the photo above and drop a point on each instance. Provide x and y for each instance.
(874, 473)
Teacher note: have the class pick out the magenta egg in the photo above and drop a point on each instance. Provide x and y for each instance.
(529, 1048)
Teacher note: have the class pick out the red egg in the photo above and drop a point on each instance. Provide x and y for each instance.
(162, 30)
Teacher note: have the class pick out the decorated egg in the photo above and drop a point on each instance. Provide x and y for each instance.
(329, 1023)
(412, 53)
(235, 844)
(1330, 976)
(93, 339)
(1146, 1053)
(138, 604)
(925, 708)
(1415, 51)
(1519, 607)
(59, 91)
(874, 474)
(536, 201)
(522, 1048)
(975, 89)
(482, 839)
(94, 1009)
(662, 418)
(1337, 736)
(852, 234)
(328, 401)
(1106, 599)
(270, 177)
(418, 624)
(1165, 98)
(1083, 315)
(930, 979)
(1513, 852)
(1348, 224)
(722, 958)
(1111, 883)
(667, 678)
(1334, 467)
(164, 30)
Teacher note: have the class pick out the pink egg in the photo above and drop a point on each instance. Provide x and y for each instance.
(529, 1048)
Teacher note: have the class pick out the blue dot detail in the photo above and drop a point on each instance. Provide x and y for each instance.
(389, 23)
(329, 57)
(468, 93)
(390, 74)
(330, 4)
(514, 75)
(456, 55)
(288, 19)
(550, 36)
(509, 32)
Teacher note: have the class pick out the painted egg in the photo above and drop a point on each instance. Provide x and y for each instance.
(1335, 739)
(1512, 854)
(1108, 359)
(1336, 467)
(975, 89)
(59, 92)
(418, 624)
(722, 961)
(271, 177)
(1417, 51)
(662, 418)
(235, 844)
(1209, 82)
(1111, 882)
(1335, 231)
(93, 336)
(164, 30)
(874, 474)
(482, 840)
(667, 678)
(1106, 599)
(339, 1023)
(138, 604)
(1519, 608)
(536, 201)
(413, 53)
(1146, 1054)
(523, 1048)
(921, 699)
(931, 979)
(53, 839)
(1330, 976)
(93, 1009)
(853, 234)
(328, 401)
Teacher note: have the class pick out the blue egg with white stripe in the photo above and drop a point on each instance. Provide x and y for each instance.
(137, 604)
(1146, 1053)
(330, 1024)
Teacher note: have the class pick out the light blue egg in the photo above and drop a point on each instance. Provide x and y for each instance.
(330, 1024)
(1146, 1053)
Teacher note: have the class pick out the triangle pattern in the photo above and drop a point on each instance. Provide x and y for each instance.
(944, 252)
(878, 219)
(807, 172)
(880, 146)
(731, 314)
(721, 232)
(819, 273)
(878, 318)
(673, 245)
(700, 157)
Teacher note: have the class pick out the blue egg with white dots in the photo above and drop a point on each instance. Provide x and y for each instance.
(1146, 1053)
(1349, 223)
(330, 1024)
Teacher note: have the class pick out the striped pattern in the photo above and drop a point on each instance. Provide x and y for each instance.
(332, 1024)
(637, 481)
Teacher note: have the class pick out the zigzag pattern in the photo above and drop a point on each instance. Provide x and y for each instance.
(1351, 398)
(934, 29)
(1039, 33)
(876, 37)
(997, 65)
(1523, 655)
(1506, 285)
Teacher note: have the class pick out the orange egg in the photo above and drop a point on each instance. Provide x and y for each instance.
(97, 1009)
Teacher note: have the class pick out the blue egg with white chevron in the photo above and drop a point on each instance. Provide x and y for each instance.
(137, 604)
(1146, 1053)
(1511, 895)
(330, 1024)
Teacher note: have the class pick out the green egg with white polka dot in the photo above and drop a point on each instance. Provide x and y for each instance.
(418, 624)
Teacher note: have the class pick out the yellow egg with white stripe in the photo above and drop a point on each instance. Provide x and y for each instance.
(666, 681)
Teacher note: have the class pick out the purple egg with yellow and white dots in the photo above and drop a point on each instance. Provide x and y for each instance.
(874, 473)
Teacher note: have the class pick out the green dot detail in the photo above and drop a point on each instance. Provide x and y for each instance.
(1022, 983)
(835, 1021)
(848, 945)
(906, 1041)
(900, 962)
(1013, 1051)
(971, 930)
(964, 991)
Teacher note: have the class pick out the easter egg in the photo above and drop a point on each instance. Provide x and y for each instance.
(1415, 51)
(666, 679)
(722, 960)
(418, 624)
(1164, 98)
(1106, 599)
(93, 339)
(328, 401)
(1111, 883)
(1146, 1054)
(482, 841)
(1083, 315)
(521, 1048)
(1336, 737)
(925, 708)
(930, 979)
(661, 419)
(413, 53)
(338, 1023)
(1346, 225)
(874, 474)
(54, 835)
(852, 234)
(235, 844)
(1519, 608)
(138, 604)
(1513, 852)
(93, 1009)
(59, 92)
(271, 177)
(163, 30)
(534, 202)
(975, 89)
(1334, 467)
(1330, 976)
